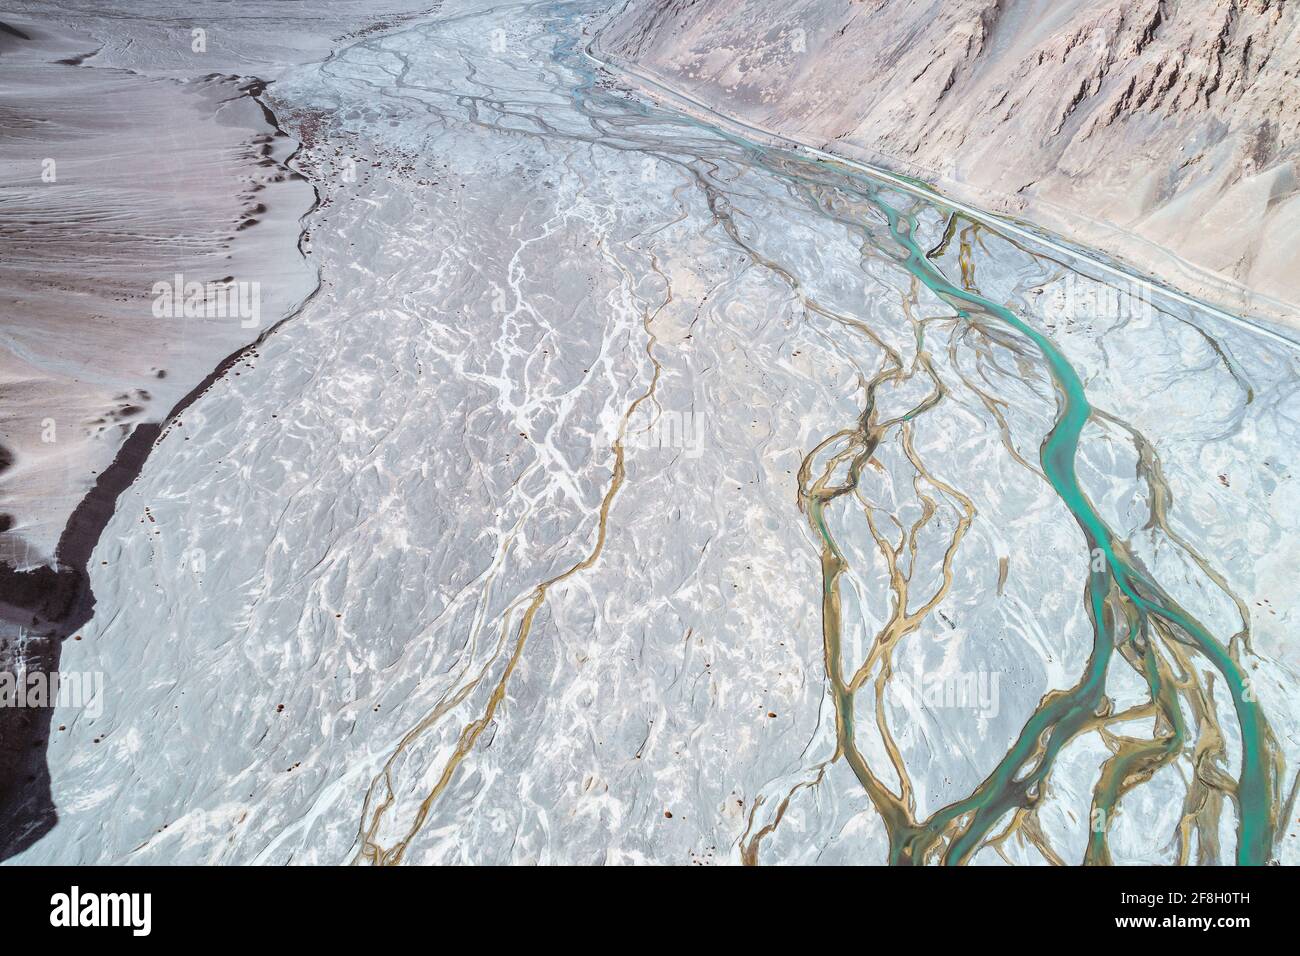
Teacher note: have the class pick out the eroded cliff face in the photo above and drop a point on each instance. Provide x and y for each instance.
(1162, 131)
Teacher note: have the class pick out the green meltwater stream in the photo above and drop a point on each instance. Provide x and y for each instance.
(1127, 608)
(1130, 613)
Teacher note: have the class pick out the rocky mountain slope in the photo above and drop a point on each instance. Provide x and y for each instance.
(1162, 131)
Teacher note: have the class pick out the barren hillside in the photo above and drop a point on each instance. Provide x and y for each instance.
(1144, 127)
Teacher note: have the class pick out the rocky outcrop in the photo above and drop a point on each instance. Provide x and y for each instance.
(1162, 131)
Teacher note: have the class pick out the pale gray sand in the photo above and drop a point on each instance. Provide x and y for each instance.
(133, 152)
(144, 180)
